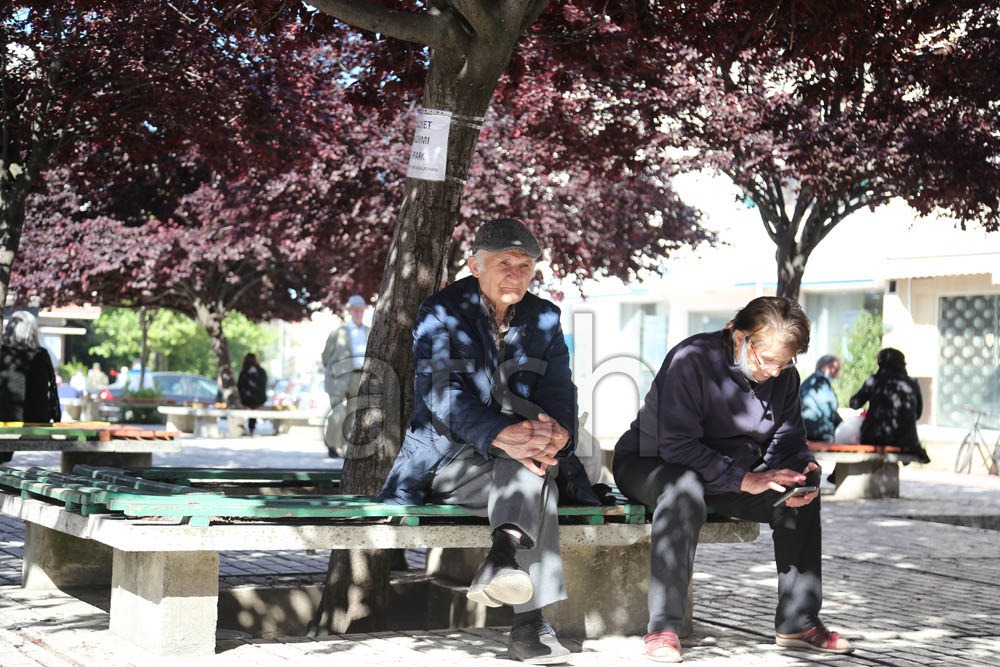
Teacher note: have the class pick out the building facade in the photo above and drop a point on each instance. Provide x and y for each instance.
(936, 286)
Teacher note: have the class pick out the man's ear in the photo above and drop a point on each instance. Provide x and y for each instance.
(474, 267)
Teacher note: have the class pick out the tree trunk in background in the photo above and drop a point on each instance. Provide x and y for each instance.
(145, 321)
(210, 318)
(791, 267)
(12, 194)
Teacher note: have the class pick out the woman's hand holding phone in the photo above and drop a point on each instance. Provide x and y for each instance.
(784, 481)
(796, 492)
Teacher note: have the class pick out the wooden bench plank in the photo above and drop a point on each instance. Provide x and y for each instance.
(861, 470)
(105, 474)
(99, 489)
(266, 474)
(100, 480)
(192, 475)
(66, 431)
(48, 432)
(275, 476)
(91, 496)
(75, 499)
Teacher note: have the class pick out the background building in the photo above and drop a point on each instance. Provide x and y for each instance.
(936, 286)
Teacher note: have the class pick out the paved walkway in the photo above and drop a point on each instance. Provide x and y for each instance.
(912, 581)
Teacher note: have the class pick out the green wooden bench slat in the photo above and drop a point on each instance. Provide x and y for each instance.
(206, 477)
(332, 507)
(29, 432)
(98, 493)
(255, 474)
(112, 482)
(89, 495)
(80, 499)
(111, 489)
(321, 506)
(106, 474)
(326, 507)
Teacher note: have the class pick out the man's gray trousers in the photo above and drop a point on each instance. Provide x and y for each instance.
(507, 493)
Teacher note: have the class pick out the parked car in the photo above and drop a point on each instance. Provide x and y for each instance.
(282, 393)
(174, 389)
(304, 393)
(313, 396)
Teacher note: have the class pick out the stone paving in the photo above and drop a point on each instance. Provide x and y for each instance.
(911, 581)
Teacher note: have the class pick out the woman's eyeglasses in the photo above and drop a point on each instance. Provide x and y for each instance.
(769, 367)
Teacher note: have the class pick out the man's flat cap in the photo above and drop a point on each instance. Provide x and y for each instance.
(356, 301)
(506, 234)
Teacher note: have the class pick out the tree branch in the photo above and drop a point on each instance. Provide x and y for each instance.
(247, 283)
(441, 30)
(764, 207)
(475, 14)
(529, 16)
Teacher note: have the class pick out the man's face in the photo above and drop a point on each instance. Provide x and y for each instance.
(833, 370)
(357, 313)
(503, 276)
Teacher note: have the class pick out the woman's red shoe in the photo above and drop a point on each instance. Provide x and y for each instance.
(817, 638)
(663, 647)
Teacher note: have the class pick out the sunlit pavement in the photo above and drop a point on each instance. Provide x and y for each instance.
(911, 581)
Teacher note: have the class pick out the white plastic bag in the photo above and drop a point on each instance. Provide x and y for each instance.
(849, 430)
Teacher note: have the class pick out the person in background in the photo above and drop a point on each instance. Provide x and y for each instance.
(79, 382)
(819, 402)
(64, 389)
(343, 359)
(67, 396)
(894, 406)
(28, 389)
(722, 426)
(96, 378)
(252, 386)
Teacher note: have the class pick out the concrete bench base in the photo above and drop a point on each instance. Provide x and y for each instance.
(167, 602)
(160, 601)
(873, 478)
(861, 471)
(165, 578)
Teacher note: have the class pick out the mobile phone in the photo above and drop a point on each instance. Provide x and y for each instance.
(794, 491)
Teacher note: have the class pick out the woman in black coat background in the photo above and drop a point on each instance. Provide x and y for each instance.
(28, 390)
(252, 385)
(894, 405)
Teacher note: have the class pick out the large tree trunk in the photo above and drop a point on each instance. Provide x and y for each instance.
(18, 173)
(463, 83)
(791, 267)
(145, 322)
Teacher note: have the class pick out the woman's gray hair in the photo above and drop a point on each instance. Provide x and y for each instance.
(782, 318)
(21, 331)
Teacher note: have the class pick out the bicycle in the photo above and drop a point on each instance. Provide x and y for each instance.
(974, 440)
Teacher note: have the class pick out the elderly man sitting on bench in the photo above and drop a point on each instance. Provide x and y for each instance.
(494, 415)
